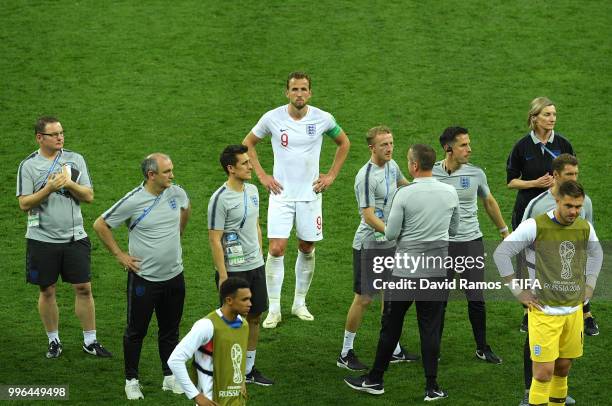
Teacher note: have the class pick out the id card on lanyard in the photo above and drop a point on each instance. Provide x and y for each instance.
(231, 241)
(34, 213)
(379, 236)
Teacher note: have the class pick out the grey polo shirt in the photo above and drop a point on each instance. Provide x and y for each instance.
(470, 182)
(545, 202)
(423, 215)
(155, 238)
(374, 187)
(60, 214)
(226, 212)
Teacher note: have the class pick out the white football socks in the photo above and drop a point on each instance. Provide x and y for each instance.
(275, 272)
(53, 336)
(304, 271)
(89, 337)
(347, 345)
(250, 361)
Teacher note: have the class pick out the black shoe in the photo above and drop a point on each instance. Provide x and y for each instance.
(404, 356)
(257, 378)
(524, 325)
(590, 327)
(97, 350)
(488, 355)
(363, 384)
(350, 362)
(54, 350)
(434, 394)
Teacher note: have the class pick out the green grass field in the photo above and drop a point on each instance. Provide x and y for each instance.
(187, 78)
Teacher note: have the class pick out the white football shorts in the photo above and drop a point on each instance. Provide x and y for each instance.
(308, 218)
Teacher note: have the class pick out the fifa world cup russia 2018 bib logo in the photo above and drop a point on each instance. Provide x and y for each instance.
(567, 250)
(236, 356)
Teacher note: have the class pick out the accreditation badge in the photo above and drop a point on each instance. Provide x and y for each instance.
(379, 236)
(33, 218)
(233, 249)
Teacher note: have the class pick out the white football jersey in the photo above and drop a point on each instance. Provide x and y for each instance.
(297, 146)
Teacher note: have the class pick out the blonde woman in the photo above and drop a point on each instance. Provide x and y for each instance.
(529, 166)
(529, 170)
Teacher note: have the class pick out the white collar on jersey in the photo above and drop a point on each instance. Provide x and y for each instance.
(536, 140)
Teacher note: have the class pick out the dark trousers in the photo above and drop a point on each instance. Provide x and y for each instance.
(429, 317)
(166, 299)
(475, 297)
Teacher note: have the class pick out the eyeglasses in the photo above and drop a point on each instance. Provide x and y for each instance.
(55, 135)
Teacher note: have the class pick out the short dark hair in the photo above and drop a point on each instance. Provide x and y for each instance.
(230, 286)
(558, 164)
(449, 135)
(41, 123)
(228, 156)
(424, 155)
(299, 75)
(570, 188)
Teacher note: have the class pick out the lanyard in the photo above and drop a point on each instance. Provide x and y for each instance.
(387, 183)
(55, 161)
(544, 148)
(147, 211)
(246, 208)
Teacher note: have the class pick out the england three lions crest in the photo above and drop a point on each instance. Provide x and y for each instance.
(311, 130)
(464, 181)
